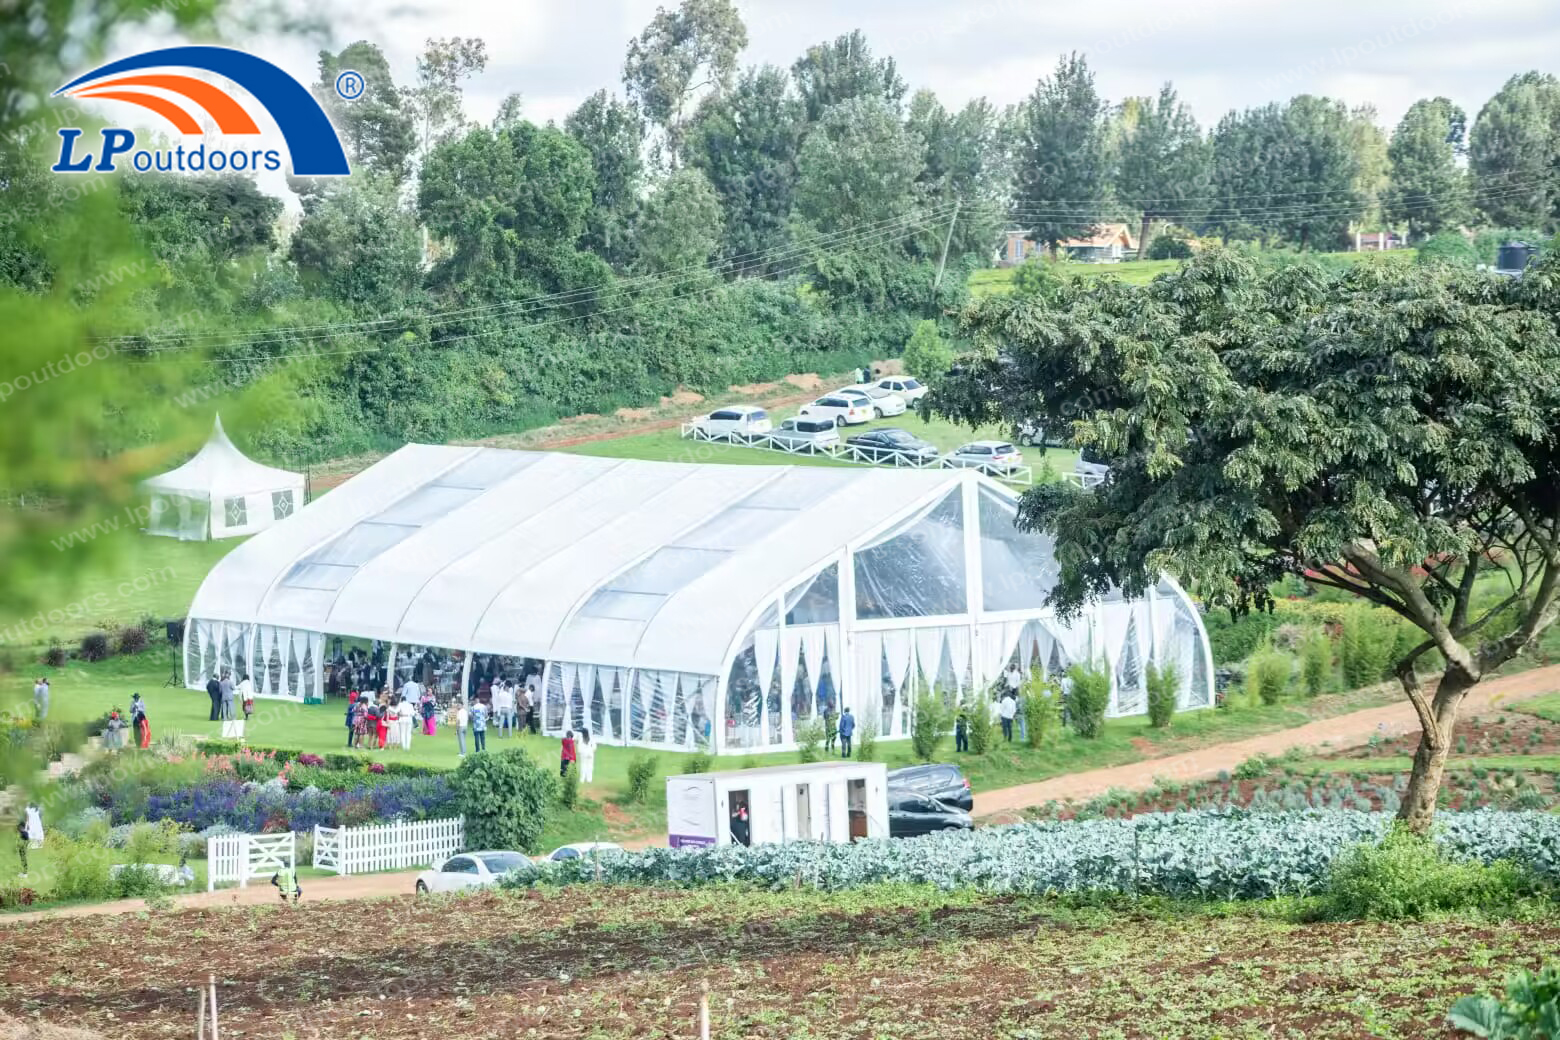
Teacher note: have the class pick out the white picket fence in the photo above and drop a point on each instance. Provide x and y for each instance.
(240, 857)
(389, 846)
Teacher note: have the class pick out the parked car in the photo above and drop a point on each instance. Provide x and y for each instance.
(1090, 468)
(742, 419)
(990, 456)
(911, 815)
(889, 442)
(470, 870)
(904, 386)
(887, 403)
(840, 410)
(579, 849)
(1031, 434)
(946, 783)
(800, 432)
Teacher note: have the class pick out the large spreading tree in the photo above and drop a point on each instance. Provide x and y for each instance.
(1392, 432)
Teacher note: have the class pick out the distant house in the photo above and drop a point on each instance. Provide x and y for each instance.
(1109, 244)
(1377, 241)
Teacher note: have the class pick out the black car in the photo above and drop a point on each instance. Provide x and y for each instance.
(943, 782)
(911, 815)
(884, 444)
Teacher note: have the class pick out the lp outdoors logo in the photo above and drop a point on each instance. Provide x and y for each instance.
(311, 140)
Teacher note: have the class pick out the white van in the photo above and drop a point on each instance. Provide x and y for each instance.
(744, 420)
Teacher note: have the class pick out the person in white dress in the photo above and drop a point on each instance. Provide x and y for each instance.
(34, 826)
(586, 754)
(393, 721)
(405, 713)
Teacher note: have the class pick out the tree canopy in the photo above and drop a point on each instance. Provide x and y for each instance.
(1390, 432)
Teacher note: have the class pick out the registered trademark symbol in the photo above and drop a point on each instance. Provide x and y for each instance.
(349, 85)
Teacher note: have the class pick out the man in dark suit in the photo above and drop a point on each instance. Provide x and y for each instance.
(214, 691)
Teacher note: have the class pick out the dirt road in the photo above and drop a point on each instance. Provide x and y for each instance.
(1343, 731)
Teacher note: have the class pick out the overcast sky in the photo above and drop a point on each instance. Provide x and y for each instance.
(1222, 54)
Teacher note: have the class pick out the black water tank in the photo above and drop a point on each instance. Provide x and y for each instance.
(1513, 256)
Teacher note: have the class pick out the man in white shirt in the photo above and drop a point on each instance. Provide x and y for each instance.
(503, 706)
(1007, 708)
(411, 690)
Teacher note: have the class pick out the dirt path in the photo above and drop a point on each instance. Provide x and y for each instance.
(1343, 731)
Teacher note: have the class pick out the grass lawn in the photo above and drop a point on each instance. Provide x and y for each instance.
(1545, 707)
(887, 961)
(1458, 763)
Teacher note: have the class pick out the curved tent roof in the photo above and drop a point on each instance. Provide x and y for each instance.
(557, 556)
(220, 470)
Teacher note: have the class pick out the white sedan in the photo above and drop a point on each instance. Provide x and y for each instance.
(886, 403)
(470, 870)
(905, 386)
(988, 456)
(841, 409)
(579, 850)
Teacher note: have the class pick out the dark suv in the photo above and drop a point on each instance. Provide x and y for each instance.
(945, 783)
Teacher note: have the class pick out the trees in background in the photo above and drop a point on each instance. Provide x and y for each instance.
(843, 69)
(377, 128)
(1427, 191)
(681, 227)
(1062, 176)
(1514, 153)
(680, 53)
(613, 133)
(1162, 162)
(436, 104)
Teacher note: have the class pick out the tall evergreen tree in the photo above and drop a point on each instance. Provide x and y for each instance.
(680, 54)
(843, 69)
(1427, 191)
(1062, 171)
(1514, 153)
(1162, 162)
(613, 133)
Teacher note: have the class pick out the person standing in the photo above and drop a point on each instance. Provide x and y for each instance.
(462, 720)
(138, 721)
(33, 820)
(503, 711)
(585, 753)
(522, 707)
(830, 731)
(41, 697)
(533, 690)
(392, 728)
(847, 729)
(214, 691)
(404, 717)
(21, 842)
(567, 754)
(352, 719)
(479, 721)
(430, 711)
(246, 696)
(225, 689)
(961, 733)
(1006, 709)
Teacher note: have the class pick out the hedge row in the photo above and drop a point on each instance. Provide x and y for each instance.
(329, 760)
(1204, 854)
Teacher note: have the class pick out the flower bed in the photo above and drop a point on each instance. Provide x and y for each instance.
(1203, 854)
(254, 808)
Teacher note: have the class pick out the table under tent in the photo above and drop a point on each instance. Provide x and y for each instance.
(677, 605)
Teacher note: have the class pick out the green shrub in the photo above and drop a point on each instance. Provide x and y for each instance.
(1170, 244)
(810, 736)
(132, 639)
(1530, 1010)
(503, 797)
(928, 723)
(1164, 691)
(1088, 699)
(1042, 708)
(1365, 650)
(867, 737)
(1448, 247)
(1270, 674)
(641, 771)
(569, 787)
(1407, 877)
(1254, 768)
(95, 646)
(217, 746)
(55, 656)
(1316, 662)
(978, 724)
(138, 880)
(83, 869)
(926, 356)
(1235, 639)
(699, 762)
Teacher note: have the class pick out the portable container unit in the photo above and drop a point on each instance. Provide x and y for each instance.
(822, 801)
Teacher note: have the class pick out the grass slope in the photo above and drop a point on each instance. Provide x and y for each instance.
(900, 962)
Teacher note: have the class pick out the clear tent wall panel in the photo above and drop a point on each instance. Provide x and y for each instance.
(918, 569)
(1018, 568)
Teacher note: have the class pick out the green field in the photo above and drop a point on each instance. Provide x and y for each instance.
(997, 280)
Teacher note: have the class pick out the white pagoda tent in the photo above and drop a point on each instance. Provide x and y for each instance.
(220, 493)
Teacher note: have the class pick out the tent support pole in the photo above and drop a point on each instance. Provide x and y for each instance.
(465, 675)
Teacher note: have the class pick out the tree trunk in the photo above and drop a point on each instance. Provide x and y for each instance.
(1435, 745)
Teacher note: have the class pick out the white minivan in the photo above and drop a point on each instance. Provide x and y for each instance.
(743, 420)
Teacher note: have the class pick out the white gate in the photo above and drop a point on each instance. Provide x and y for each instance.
(390, 846)
(239, 857)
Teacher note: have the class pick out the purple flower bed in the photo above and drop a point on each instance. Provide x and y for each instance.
(259, 808)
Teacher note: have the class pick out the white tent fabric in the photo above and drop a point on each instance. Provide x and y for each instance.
(653, 581)
(221, 493)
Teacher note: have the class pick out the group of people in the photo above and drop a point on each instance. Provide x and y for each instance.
(580, 753)
(225, 695)
(385, 720)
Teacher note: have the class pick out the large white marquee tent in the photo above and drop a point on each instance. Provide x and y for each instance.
(676, 605)
(220, 493)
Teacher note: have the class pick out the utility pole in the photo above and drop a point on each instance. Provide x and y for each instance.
(947, 240)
